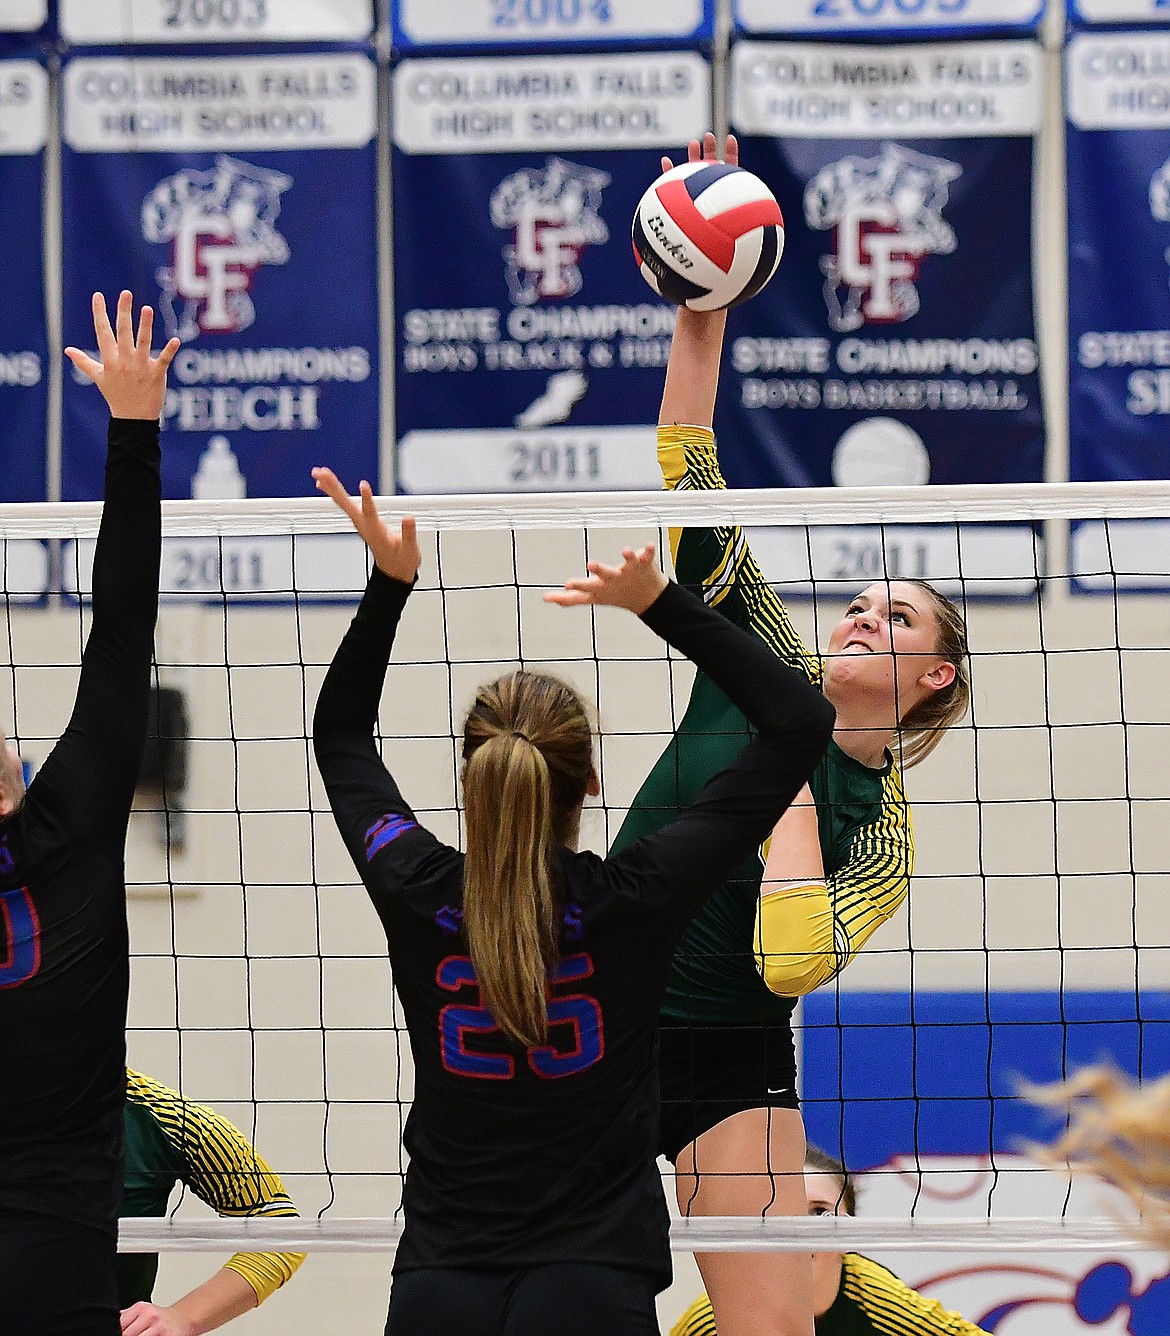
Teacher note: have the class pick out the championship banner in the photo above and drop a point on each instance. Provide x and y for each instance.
(456, 23)
(530, 351)
(172, 22)
(237, 196)
(897, 344)
(837, 18)
(1118, 145)
(24, 120)
(24, 353)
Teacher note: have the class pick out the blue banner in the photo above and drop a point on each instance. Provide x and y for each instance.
(236, 195)
(921, 1095)
(896, 345)
(24, 117)
(530, 351)
(545, 23)
(888, 1074)
(1118, 146)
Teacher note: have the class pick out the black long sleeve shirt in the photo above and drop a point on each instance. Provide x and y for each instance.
(521, 1157)
(64, 970)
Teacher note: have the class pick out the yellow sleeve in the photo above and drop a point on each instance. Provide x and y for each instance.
(223, 1168)
(805, 936)
(698, 1320)
(893, 1308)
(718, 560)
(796, 950)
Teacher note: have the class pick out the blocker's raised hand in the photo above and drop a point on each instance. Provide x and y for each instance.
(635, 584)
(395, 554)
(707, 151)
(132, 382)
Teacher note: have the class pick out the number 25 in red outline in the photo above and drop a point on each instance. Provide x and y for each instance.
(20, 938)
(578, 1010)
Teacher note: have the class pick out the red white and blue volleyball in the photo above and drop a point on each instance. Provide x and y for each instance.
(708, 235)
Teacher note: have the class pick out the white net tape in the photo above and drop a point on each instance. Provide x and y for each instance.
(697, 1234)
(959, 504)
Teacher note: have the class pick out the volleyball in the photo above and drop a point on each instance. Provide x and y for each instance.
(708, 235)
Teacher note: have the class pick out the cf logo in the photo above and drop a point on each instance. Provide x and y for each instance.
(875, 256)
(548, 246)
(210, 266)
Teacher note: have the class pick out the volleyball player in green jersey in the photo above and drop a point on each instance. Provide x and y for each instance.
(838, 864)
(852, 1295)
(171, 1140)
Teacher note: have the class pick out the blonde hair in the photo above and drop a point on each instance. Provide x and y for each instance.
(921, 729)
(527, 759)
(1120, 1131)
(820, 1162)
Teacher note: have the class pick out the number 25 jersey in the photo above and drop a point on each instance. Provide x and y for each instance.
(527, 1156)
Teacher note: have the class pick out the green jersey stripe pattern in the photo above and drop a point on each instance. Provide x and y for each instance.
(865, 829)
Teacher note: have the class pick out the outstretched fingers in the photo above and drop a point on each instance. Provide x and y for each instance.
(640, 558)
(369, 509)
(84, 363)
(132, 382)
(635, 584)
(395, 554)
(167, 354)
(102, 327)
(707, 150)
(328, 482)
(124, 321)
(145, 329)
(567, 598)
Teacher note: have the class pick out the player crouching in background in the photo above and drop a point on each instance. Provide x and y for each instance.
(852, 1295)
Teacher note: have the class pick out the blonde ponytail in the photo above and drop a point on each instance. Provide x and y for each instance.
(528, 754)
(921, 729)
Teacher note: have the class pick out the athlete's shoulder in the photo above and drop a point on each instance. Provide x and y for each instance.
(154, 1155)
(185, 1124)
(408, 865)
(895, 807)
(698, 1320)
(864, 1273)
(892, 1307)
(893, 785)
(148, 1093)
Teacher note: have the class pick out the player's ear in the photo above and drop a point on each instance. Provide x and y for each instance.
(940, 676)
(593, 784)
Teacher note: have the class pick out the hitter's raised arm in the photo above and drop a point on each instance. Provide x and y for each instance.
(692, 374)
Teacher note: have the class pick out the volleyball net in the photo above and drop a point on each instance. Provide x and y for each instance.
(1035, 939)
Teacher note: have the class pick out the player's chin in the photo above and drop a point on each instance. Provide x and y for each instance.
(869, 672)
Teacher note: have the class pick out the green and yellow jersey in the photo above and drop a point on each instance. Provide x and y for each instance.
(170, 1140)
(866, 837)
(872, 1301)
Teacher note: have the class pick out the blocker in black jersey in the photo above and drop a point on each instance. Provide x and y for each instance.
(522, 1158)
(64, 971)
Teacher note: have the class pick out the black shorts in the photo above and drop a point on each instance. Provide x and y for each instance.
(555, 1299)
(707, 1073)
(56, 1278)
